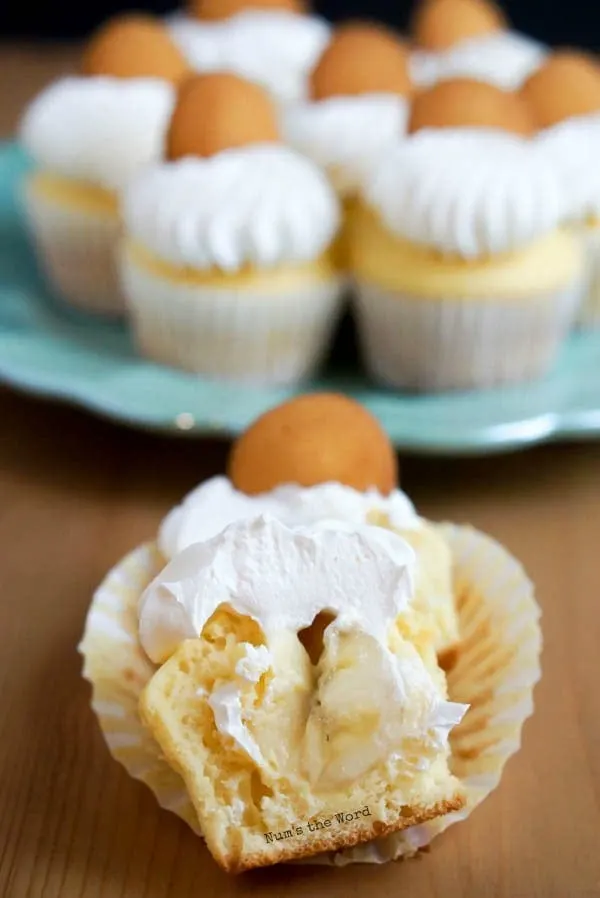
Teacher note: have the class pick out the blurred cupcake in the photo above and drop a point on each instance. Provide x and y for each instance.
(564, 97)
(358, 106)
(88, 135)
(274, 43)
(464, 278)
(225, 264)
(470, 39)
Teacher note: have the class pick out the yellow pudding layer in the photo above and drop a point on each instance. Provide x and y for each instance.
(280, 278)
(72, 194)
(380, 257)
(340, 250)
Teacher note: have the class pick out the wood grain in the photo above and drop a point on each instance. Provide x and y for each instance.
(77, 493)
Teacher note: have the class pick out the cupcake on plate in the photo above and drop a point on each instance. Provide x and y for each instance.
(276, 672)
(225, 261)
(464, 276)
(358, 105)
(470, 39)
(564, 97)
(274, 43)
(88, 135)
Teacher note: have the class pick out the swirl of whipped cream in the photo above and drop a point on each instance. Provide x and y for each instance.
(276, 49)
(505, 59)
(101, 130)
(346, 135)
(215, 504)
(467, 192)
(282, 578)
(573, 148)
(261, 205)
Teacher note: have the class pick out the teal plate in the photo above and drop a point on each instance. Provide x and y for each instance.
(49, 352)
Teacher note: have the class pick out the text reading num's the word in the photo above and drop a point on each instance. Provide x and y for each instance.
(312, 826)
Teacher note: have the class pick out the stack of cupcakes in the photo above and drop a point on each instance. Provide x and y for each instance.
(245, 162)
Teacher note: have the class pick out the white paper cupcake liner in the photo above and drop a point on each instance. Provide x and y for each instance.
(244, 334)
(436, 344)
(589, 310)
(498, 665)
(78, 253)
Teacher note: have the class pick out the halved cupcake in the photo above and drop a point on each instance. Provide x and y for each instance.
(564, 97)
(470, 39)
(465, 278)
(357, 106)
(273, 43)
(88, 136)
(225, 262)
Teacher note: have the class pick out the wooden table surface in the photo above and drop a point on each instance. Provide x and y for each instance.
(77, 493)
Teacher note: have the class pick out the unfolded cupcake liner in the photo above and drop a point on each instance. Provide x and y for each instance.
(78, 253)
(589, 311)
(495, 673)
(276, 337)
(450, 343)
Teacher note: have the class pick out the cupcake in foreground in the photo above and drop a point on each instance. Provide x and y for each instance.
(276, 684)
(464, 278)
(358, 105)
(88, 136)
(470, 39)
(270, 744)
(225, 262)
(564, 96)
(273, 43)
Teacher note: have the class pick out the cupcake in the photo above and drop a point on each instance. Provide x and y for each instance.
(225, 260)
(358, 105)
(564, 97)
(273, 43)
(470, 39)
(276, 684)
(464, 277)
(88, 135)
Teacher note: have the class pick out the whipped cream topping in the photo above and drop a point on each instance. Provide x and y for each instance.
(505, 59)
(467, 192)
(282, 578)
(100, 130)
(261, 205)
(346, 135)
(215, 504)
(276, 49)
(573, 148)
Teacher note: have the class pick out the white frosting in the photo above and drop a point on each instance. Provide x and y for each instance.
(262, 205)
(215, 504)
(573, 148)
(255, 662)
(469, 192)
(505, 59)
(346, 135)
(100, 130)
(282, 578)
(276, 49)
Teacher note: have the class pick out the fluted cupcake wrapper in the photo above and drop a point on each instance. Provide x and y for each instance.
(498, 665)
(425, 344)
(589, 311)
(244, 334)
(77, 250)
